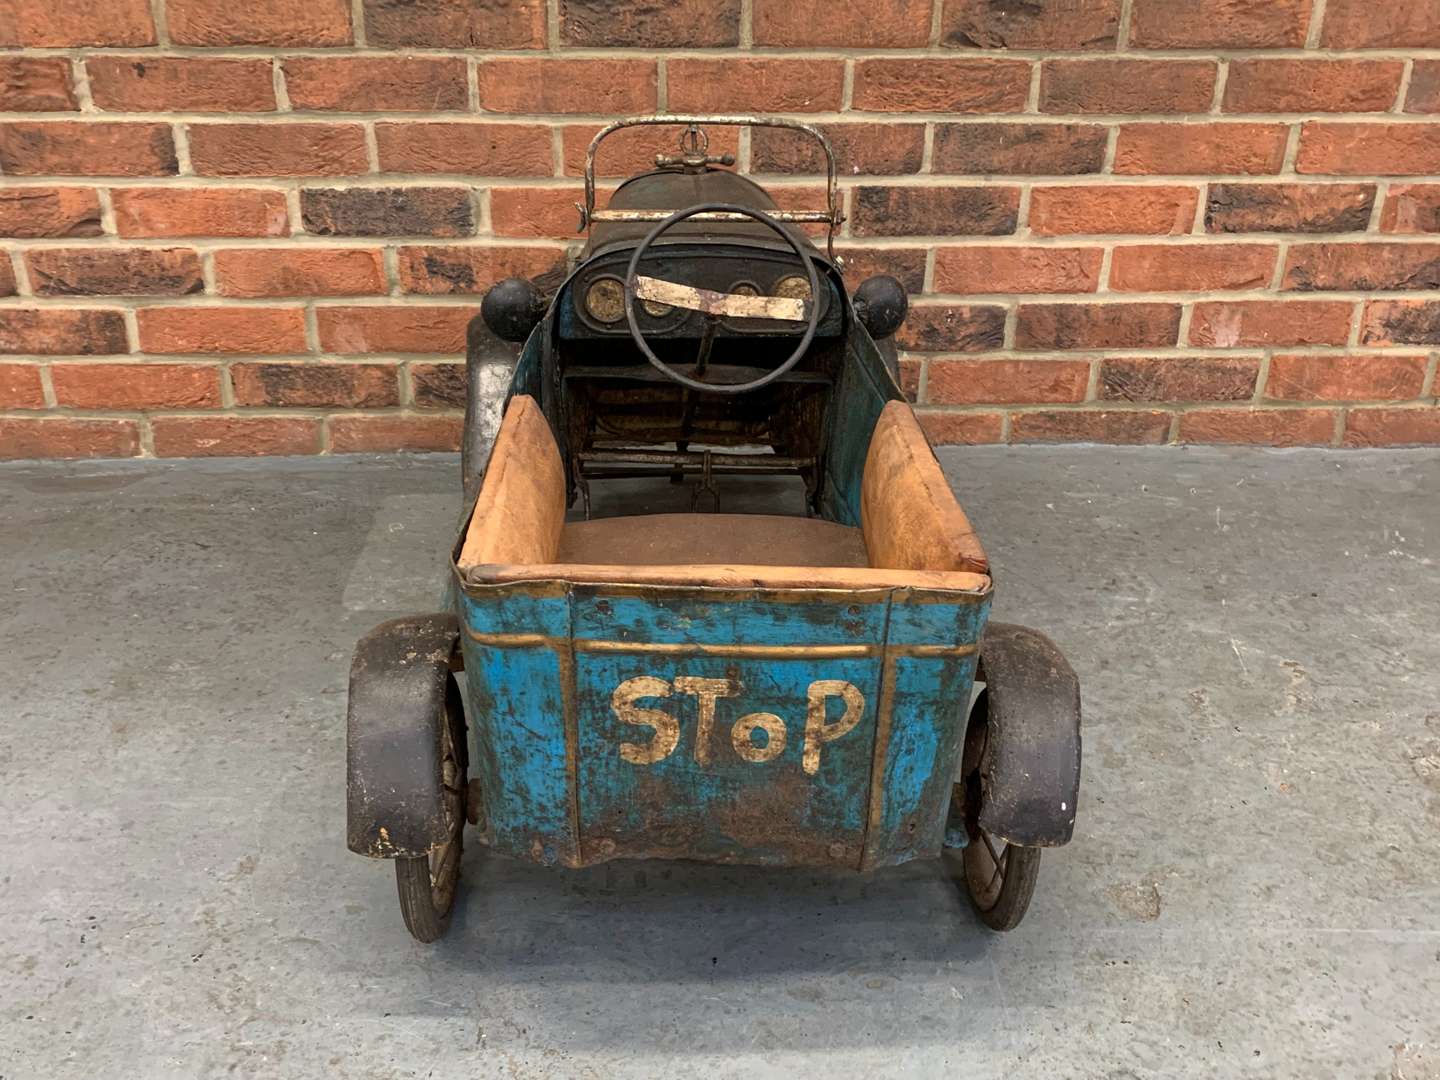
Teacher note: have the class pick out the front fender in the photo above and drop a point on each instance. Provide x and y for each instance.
(399, 679)
(1030, 770)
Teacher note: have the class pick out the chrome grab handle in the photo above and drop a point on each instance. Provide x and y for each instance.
(832, 216)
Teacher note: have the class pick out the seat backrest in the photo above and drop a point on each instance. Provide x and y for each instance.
(520, 512)
(908, 513)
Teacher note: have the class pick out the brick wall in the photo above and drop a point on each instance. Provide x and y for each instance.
(260, 226)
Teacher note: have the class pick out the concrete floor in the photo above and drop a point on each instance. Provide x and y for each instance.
(1253, 888)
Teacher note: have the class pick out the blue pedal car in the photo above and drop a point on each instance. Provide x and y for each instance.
(792, 685)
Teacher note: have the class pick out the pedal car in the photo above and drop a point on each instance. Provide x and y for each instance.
(792, 687)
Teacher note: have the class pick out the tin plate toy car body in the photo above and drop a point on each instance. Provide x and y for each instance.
(788, 688)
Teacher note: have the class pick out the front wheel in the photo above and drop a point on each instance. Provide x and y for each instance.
(997, 876)
(427, 884)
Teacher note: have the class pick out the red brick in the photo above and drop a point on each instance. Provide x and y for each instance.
(299, 272)
(676, 24)
(1303, 208)
(114, 271)
(62, 332)
(631, 150)
(1200, 149)
(1393, 427)
(211, 211)
(1365, 24)
(1401, 322)
(136, 386)
(38, 148)
(456, 24)
(754, 84)
(1259, 86)
(471, 269)
(62, 437)
(184, 84)
(472, 149)
(1189, 378)
(377, 83)
(8, 285)
(278, 149)
(934, 211)
(1017, 270)
(888, 149)
(984, 24)
(1097, 326)
(1128, 427)
(1006, 382)
(1424, 95)
(1127, 86)
(952, 328)
(221, 330)
(49, 212)
(846, 24)
(384, 434)
(1220, 24)
(1259, 427)
(394, 328)
(20, 387)
(909, 377)
(438, 386)
(401, 211)
(1345, 378)
(36, 84)
(235, 436)
(1363, 267)
(1191, 267)
(316, 386)
(961, 429)
(944, 85)
(1361, 149)
(64, 24)
(552, 85)
(1061, 211)
(258, 22)
(1225, 324)
(536, 212)
(906, 265)
(1019, 149)
(1409, 208)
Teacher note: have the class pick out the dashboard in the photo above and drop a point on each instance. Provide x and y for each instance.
(594, 303)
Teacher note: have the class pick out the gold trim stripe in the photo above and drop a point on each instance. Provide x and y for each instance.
(884, 720)
(686, 648)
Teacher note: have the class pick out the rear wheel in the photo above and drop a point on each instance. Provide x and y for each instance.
(427, 884)
(998, 876)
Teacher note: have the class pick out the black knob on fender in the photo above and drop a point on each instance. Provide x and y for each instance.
(512, 308)
(881, 305)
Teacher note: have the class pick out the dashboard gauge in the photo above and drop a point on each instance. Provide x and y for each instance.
(605, 300)
(743, 288)
(655, 309)
(793, 287)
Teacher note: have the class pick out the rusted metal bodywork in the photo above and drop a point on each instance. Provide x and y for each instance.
(545, 659)
(399, 676)
(1031, 768)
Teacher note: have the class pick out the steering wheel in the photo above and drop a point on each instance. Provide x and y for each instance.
(717, 304)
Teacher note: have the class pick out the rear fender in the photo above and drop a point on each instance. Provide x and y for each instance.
(1030, 770)
(399, 680)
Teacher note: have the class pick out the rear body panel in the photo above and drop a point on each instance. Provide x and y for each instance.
(813, 727)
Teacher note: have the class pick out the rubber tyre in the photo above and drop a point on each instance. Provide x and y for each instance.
(427, 900)
(1022, 867)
